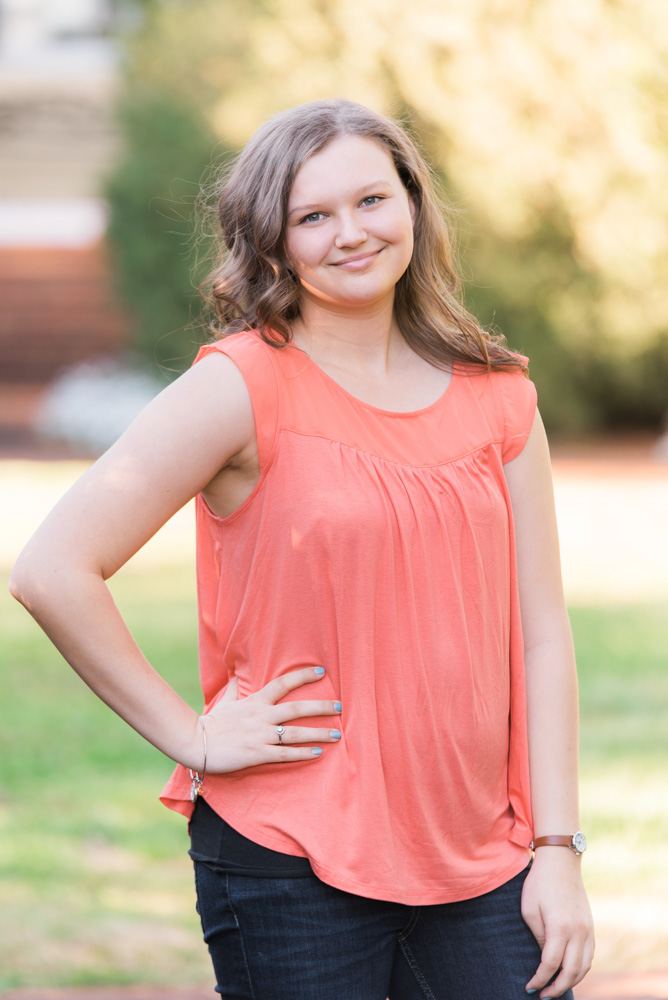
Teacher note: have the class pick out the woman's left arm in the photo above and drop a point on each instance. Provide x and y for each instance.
(554, 903)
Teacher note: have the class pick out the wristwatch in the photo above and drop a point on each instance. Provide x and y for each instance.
(577, 842)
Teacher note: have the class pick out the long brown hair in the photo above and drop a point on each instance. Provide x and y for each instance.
(252, 286)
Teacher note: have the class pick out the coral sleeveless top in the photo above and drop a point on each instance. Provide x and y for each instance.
(380, 546)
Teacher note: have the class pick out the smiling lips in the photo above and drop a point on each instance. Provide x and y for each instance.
(356, 262)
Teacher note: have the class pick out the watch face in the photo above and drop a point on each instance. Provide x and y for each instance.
(579, 842)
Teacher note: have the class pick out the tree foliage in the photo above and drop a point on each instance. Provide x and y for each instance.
(152, 194)
(547, 121)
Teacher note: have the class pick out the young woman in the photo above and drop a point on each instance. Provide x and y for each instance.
(390, 719)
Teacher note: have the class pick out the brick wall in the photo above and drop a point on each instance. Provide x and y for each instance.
(57, 308)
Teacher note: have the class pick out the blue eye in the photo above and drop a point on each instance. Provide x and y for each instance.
(372, 199)
(312, 217)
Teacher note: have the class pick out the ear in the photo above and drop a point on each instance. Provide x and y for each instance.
(412, 208)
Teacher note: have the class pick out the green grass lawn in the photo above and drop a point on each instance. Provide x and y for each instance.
(95, 882)
(623, 666)
(96, 886)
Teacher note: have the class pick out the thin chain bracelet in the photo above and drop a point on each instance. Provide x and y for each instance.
(195, 778)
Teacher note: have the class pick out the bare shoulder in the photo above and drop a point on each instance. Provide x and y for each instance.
(530, 470)
(211, 398)
(529, 478)
(191, 431)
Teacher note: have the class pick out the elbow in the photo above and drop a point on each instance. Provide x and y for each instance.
(15, 588)
(28, 581)
(44, 577)
(22, 584)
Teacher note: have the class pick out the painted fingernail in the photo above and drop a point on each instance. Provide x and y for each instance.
(335, 734)
(337, 706)
(319, 671)
(316, 751)
(532, 991)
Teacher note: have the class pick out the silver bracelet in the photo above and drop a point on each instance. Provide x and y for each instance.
(195, 778)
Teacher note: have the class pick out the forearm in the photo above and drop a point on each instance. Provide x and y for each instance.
(77, 612)
(552, 712)
(554, 903)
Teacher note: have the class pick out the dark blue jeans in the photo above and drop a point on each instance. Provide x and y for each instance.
(299, 939)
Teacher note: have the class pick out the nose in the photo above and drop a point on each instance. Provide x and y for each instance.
(350, 233)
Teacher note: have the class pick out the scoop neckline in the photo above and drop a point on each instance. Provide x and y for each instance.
(370, 406)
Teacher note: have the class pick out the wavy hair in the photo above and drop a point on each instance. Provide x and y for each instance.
(252, 285)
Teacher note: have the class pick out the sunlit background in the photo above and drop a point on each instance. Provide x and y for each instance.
(546, 122)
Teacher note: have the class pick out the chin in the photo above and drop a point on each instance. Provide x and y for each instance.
(351, 302)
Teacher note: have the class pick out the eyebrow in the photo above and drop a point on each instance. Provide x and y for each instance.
(305, 209)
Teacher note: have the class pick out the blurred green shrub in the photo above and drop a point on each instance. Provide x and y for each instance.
(538, 294)
(152, 195)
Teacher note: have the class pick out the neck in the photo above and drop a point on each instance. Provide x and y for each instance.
(362, 340)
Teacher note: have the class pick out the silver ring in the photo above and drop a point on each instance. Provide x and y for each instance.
(279, 732)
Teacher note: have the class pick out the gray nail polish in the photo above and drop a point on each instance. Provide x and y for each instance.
(337, 706)
(316, 751)
(319, 671)
(335, 734)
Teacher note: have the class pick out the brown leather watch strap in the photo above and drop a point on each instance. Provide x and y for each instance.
(577, 843)
(553, 842)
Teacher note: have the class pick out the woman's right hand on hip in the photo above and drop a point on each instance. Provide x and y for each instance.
(245, 732)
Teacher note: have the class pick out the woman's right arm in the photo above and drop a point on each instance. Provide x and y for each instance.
(174, 448)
